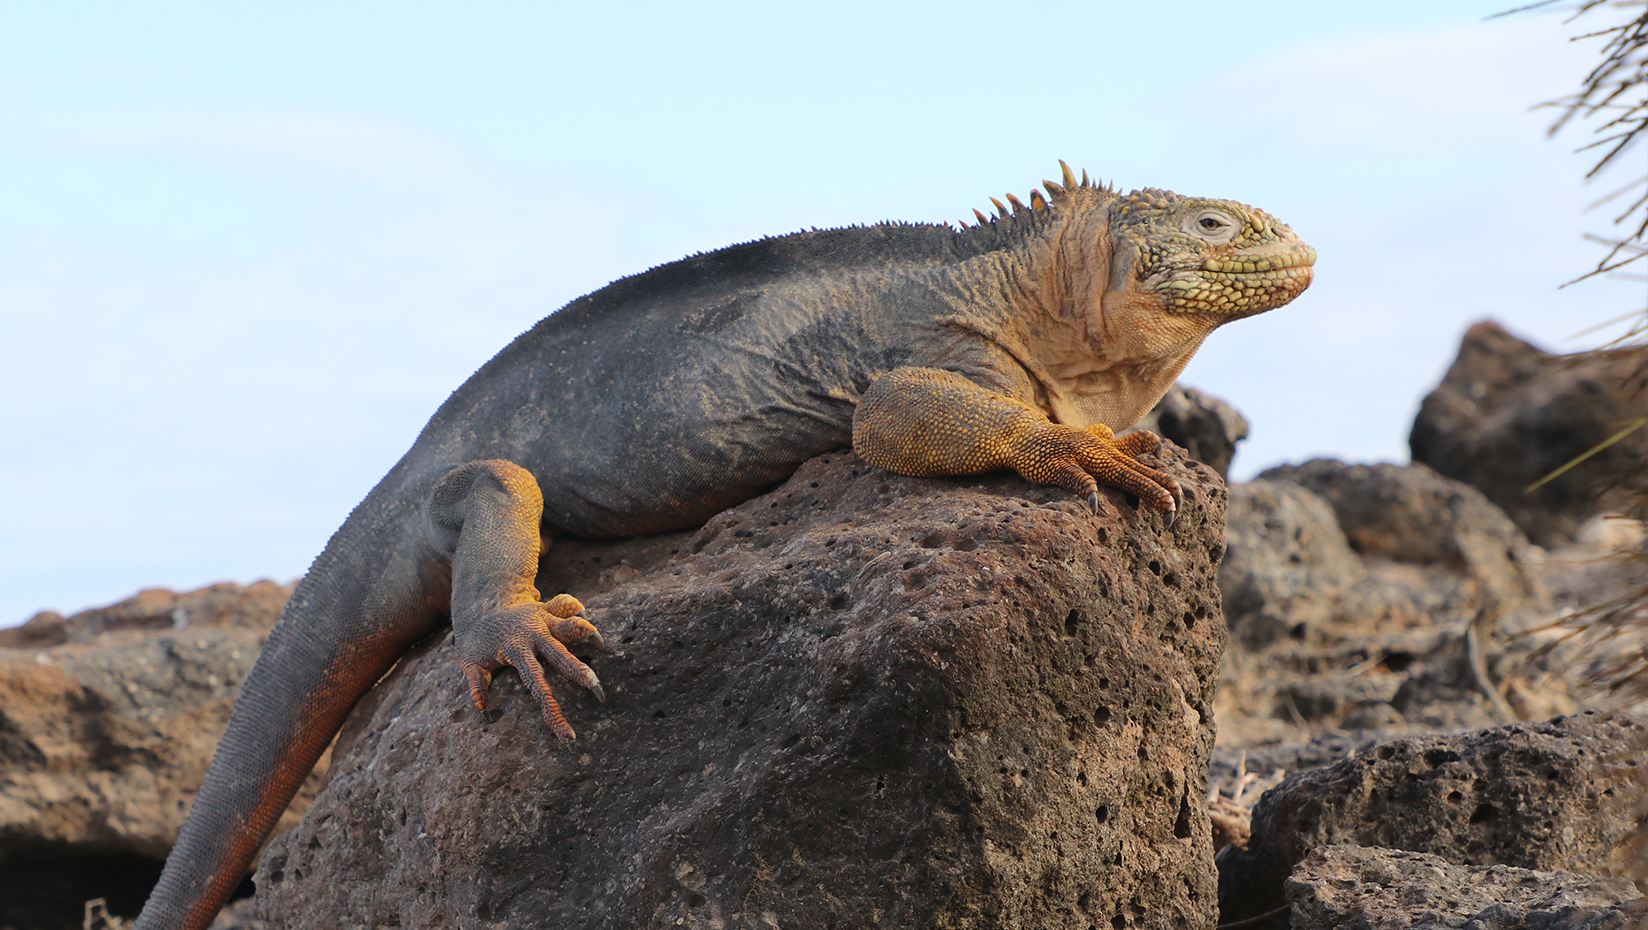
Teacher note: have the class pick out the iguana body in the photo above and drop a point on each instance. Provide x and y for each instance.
(664, 398)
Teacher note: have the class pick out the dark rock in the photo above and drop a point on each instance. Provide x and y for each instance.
(1416, 633)
(1287, 557)
(861, 699)
(108, 719)
(1554, 796)
(1507, 414)
(1370, 888)
(1411, 514)
(1207, 427)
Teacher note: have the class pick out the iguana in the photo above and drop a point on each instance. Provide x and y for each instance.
(1022, 341)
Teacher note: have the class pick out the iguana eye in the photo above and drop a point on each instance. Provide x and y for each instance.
(1215, 226)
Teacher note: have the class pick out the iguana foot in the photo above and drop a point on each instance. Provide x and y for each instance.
(1144, 442)
(1081, 460)
(527, 637)
(488, 515)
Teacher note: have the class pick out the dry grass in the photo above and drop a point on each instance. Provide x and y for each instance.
(1613, 100)
(98, 917)
(1230, 805)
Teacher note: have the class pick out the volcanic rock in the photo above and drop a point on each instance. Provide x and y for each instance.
(1561, 795)
(1369, 888)
(108, 719)
(861, 699)
(1507, 414)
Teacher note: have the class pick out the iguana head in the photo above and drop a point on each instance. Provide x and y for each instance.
(1218, 260)
(1116, 291)
(1202, 256)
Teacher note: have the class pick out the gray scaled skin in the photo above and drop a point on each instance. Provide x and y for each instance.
(664, 398)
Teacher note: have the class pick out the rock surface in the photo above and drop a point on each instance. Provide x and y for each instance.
(1552, 796)
(1508, 413)
(1363, 888)
(858, 700)
(1377, 599)
(1408, 513)
(107, 721)
(1287, 561)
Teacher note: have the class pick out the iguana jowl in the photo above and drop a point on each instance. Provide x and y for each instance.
(664, 398)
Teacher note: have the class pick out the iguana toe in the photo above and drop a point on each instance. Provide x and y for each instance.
(1139, 442)
(568, 624)
(480, 681)
(532, 674)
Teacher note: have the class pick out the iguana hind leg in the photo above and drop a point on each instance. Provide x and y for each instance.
(487, 515)
(924, 421)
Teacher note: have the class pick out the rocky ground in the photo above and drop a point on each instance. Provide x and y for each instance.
(868, 700)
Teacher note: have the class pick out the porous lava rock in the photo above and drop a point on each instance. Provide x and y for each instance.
(1508, 413)
(1409, 513)
(1371, 888)
(1378, 599)
(108, 719)
(859, 700)
(1287, 559)
(1561, 795)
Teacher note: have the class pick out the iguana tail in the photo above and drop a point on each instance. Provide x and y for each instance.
(370, 596)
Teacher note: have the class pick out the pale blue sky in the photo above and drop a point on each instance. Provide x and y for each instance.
(246, 250)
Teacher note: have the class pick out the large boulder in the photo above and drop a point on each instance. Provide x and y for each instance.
(1287, 561)
(861, 699)
(1508, 413)
(108, 719)
(1377, 599)
(1556, 796)
(1411, 514)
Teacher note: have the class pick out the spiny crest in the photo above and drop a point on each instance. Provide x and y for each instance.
(1039, 203)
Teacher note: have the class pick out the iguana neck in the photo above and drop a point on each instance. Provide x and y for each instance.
(1094, 355)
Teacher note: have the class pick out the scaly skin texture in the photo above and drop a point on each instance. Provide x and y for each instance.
(1022, 342)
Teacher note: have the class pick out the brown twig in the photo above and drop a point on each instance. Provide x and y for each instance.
(1255, 920)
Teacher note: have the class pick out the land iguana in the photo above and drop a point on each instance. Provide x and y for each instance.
(1022, 341)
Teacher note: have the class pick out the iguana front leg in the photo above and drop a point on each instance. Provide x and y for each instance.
(487, 515)
(924, 421)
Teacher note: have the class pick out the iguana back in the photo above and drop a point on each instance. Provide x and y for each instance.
(671, 395)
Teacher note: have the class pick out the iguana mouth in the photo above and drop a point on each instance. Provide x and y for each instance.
(1304, 257)
(1237, 287)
